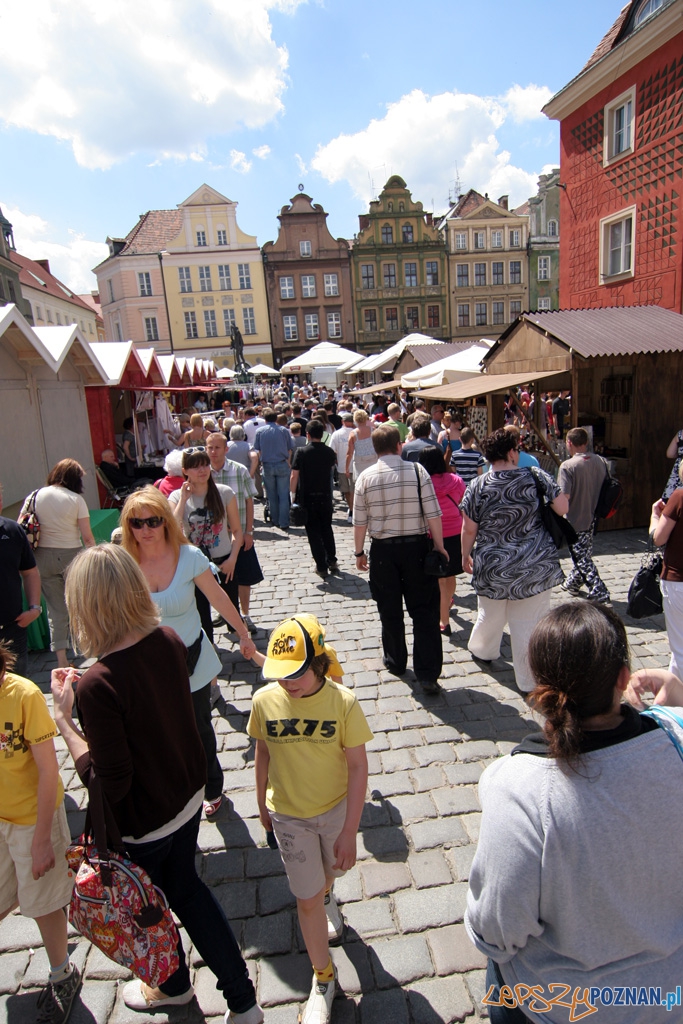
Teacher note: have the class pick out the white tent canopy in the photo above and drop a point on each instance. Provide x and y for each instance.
(391, 354)
(450, 369)
(325, 353)
(262, 368)
(226, 373)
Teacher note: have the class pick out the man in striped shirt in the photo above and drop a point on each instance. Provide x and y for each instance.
(397, 512)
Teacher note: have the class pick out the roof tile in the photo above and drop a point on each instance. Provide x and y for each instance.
(153, 231)
(34, 275)
(615, 330)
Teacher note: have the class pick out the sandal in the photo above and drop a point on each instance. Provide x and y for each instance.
(211, 807)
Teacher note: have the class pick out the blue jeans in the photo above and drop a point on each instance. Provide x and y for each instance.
(276, 480)
(170, 864)
(501, 1014)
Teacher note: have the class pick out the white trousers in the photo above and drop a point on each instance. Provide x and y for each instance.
(672, 599)
(521, 617)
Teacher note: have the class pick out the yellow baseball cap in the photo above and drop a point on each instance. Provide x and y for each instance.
(292, 647)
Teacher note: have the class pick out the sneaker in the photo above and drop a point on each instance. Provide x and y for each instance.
(335, 922)
(333, 566)
(573, 591)
(319, 1005)
(251, 626)
(349, 517)
(252, 1016)
(600, 598)
(138, 996)
(430, 686)
(322, 573)
(55, 1001)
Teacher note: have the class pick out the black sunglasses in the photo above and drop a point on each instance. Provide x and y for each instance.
(152, 521)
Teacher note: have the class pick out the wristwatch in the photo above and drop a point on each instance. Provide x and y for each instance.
(248, 533)
(35, 608)
(358, 554)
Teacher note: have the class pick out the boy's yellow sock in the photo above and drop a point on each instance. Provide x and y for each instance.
(327, 974)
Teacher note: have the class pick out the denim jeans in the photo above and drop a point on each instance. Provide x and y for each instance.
(170, 864)
(276, 480)
(501, 1014)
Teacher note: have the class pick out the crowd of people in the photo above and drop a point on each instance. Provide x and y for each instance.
(416, 484)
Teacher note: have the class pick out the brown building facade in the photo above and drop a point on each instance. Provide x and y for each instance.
(308, 281)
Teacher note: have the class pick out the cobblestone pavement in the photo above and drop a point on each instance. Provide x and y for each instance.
(407, 957)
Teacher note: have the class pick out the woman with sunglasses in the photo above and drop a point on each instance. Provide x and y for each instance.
(172, 568)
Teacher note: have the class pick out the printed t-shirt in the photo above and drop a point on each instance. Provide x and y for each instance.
(58, 510)
(214, 539)
(673, 552)
(24, 722)
(306, 737)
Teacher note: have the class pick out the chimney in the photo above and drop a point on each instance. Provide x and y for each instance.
(503, 201)
(45, 264)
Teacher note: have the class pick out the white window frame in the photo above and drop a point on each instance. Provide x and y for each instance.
(551, 229)
(495, 274)
(287, 288)
(222, 236)
(249, 320)
(210, 325)
(308, 286)
(497, 312)
(432, 276)
(614, 126)
(229, 320)
(389, 275)
(543, 272)
(512, 274)
(463, 314)
(224, 281)
(544, 303)
(367, 276)
(606, 241)
(646, 10)
(515, 238)
(334, 327)
(205, 279)
(461, 241)
(331, 284)
(462, 280)
(243, 269)
(312, 326)
(290, 328)
(481, 309)
(479, 271)
(144, 282)
(185, 279)
(496, 239)
(151, 328)
(191, 325)
(407, 275)
(200, 235)
(305, 249)
(479, 240)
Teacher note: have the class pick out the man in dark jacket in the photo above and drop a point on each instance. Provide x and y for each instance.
(311, 481)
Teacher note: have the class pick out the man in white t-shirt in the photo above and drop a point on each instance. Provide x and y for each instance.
(339, 443)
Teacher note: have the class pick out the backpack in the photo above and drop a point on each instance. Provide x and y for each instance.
(30, 522)
(610, 496)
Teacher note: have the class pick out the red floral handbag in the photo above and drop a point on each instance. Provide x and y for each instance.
(114, 903)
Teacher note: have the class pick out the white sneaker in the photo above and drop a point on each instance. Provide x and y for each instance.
(335, 922)
(252, 1016)
(138, 996)
(319, 1005)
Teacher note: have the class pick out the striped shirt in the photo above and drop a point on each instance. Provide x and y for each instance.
(387, 502)
(237, 477)
(466, 462)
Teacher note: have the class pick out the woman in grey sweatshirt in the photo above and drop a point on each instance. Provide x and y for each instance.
(576, 891)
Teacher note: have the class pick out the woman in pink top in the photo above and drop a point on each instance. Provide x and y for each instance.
(449, 489)
(174, 479)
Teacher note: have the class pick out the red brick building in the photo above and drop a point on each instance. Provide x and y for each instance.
(621, 132)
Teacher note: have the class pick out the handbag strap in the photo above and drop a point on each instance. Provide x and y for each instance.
(539, 489)
(668, 720)
(419, 491)
(103, 821)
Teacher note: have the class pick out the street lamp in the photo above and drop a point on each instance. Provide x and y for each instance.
(163, 285)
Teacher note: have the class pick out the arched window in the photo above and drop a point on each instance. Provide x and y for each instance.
(552, 228)
(390, 206)
(647, 8)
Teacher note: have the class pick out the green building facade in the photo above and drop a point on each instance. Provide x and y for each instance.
(544, 243)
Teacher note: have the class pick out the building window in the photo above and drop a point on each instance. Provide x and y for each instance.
(201, 237)
(210, 325)
(432, 272)
(185, 279)
(480, 314)
(205, 279)
(461, 240)
(619, 133)
(616, 244)
(390, 206)
(286, 287)
(39, 311)
(370, 320)
(389, 275)
(191, 325)
(479, 275)
(497, 276)
(464, 315)
(245, 275)
(498, 312)
(117, 329)
(432, 316)
(514, 239)
(544, 268)
(407, 234)
(401, 207)
(59, 318)
(224, 282)
(229, 321)
(515, 308)
(48, 314)
(412, 318)
(410, 271)
(249, 320)
(552, 229)
(110, 286)
(543, 303)
(515, 271)
(151, 329)
(496, 239)
(308, 286)
(304, 248)
(290, 328)
(462, 275)
(367, 275)
(222, 236)
(312, 330)
(334, 325)
(391, 318)
(145, 283)
(387, 235)
(647, 8)
(479, 240)
(331, 284)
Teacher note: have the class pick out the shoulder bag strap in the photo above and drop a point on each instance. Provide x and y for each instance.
(671, 722)
(419, 491)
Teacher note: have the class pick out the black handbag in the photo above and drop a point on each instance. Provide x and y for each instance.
(298, 515)
(559, 528)
(435, 564)
(644, 594)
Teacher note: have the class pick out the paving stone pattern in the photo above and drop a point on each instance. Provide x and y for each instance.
(406, 957)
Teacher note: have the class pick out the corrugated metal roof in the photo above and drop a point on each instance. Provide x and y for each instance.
(615, 330)
(485, 384)
(426, 354)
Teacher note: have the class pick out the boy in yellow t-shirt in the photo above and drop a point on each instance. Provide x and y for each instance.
(311, 780)
(34, 833)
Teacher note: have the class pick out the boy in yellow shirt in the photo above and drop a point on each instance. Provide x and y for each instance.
(311, 780)
(34, 833)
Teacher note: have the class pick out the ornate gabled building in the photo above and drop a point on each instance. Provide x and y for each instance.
(544, 243)
(308, 281)
(399, 271)
(10, 288)
(487, 260)
(621, 161)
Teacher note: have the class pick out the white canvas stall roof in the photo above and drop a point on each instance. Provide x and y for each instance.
(389, 355)
(10, 317)
(167, 366)
(449, 370)
(225, 373)
(325, 353)
(191, 363)
(61, 341)
(146, 357)
(486, 384)
(114, 356)
(385, 385)
(262, 368)
(350, 364)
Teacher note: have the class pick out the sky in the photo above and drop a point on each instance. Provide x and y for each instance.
(109, 108)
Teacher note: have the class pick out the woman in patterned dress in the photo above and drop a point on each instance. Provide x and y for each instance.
(674, 451)
(515, 562)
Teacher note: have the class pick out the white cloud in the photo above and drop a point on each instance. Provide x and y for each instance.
(71, 262)
(239, 162)
(424, 138)
(525, 102)
(303, 167)
(115, 77)
(261, 152)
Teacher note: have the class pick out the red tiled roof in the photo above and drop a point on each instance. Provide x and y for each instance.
(523, 210)
(608, 40)
(472, 200)
(615, 330)
(34, 275)
(153, 231)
